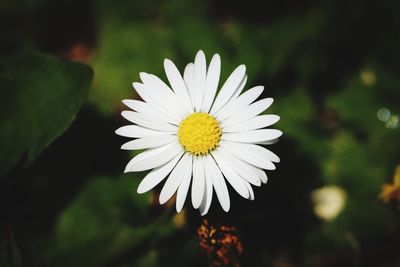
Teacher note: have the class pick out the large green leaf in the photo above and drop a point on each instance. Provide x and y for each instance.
(39, 98)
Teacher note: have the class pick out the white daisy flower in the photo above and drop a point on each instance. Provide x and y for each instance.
(195, 136)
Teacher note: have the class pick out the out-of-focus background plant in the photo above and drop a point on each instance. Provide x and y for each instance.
(332, 67)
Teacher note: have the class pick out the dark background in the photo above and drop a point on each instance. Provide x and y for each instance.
(332, 68)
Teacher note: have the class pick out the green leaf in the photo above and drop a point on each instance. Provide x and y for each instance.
(39, 98)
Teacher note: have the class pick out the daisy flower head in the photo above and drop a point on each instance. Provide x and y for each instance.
(196, 138)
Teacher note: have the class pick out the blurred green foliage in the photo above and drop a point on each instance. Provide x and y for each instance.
(330, 65)
(108, 219)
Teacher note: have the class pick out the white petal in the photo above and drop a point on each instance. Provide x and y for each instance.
(164, 94)
(149, 142)
(251, 192)
(175, 178)
(153, 100)
(266, 153)
(154, 157)
(254, 136)
(257, 122)
(248, 112)
(135, 131)
(184, 186)
(188, 76)
(198, 182)
(242, 168)
(154, 177)
(239, 90)
(236, 106)
(213, 74)
(207, 199)
(250, 153)
(157, 85)
(219, 184)
(178, 84)
(200, 70)
(234, 98)
(148, 121)
(260, 173)
(229, 88)
(143, 107)
(269, 142)
(233, 178)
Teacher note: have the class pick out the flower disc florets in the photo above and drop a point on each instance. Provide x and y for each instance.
(199, 133)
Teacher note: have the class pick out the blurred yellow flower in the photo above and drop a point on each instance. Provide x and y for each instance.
(179, 219)
(329, 201)
(368, 77)
(392, 191)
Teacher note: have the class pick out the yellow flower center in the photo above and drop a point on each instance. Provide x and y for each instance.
(199, 133)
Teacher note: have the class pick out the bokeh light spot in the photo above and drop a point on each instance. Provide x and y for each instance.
(383, 114)
(392, 122)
